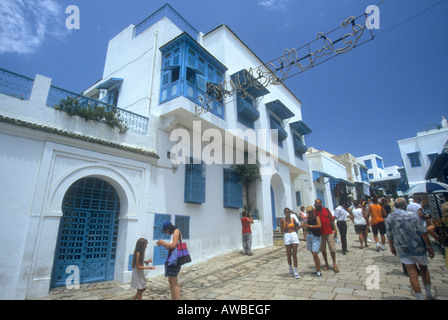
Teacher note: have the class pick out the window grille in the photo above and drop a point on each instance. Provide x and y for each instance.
(233, 190)
(194, 183)
(183, 223)
(414, 159)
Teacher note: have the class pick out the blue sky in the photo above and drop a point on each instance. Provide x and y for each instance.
(361, 102)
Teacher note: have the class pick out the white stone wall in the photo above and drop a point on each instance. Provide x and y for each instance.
(39, 167)
(426, 142)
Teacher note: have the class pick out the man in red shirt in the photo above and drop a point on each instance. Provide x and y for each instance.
(246, 220)
(328, 232)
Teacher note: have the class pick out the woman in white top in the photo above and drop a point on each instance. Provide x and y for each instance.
(360, 222)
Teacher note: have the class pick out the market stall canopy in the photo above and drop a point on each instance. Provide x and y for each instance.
(428, 187)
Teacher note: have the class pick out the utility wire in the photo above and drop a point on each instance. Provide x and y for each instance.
(409, 19)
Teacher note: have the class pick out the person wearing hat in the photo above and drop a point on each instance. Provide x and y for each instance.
(171, 272)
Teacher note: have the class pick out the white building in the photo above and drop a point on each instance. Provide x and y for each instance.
(375, 166)
(78, 194)
(329, 178)
(357, 173)
(386, 179)
(418, 152)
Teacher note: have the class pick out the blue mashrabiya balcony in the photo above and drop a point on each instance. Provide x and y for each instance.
(300, 129)
(278, 114)
(189, 70)
(249, 89)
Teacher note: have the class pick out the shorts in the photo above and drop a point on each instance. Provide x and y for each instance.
(291, 238)
(327, 238)
(421, 260)
(313, 242)
(360, 228)
(171, 271)
(380, 226)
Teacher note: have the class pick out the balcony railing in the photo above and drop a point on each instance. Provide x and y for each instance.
(172, 15)
(132, 121)
(15, 85)
(20, 87)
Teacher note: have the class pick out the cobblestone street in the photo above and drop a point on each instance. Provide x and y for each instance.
(265, 276)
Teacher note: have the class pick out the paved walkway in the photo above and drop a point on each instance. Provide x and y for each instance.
(265, 276)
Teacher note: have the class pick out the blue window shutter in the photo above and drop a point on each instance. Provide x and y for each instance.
(414, 159)
(299, 147)
(194, 183)
(183, 223)
(233, 190)
(364, 175)
(159, 220)
(159, 256)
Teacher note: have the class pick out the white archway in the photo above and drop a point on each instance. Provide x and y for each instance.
(46, 226)
(123, 187)
(279, 193)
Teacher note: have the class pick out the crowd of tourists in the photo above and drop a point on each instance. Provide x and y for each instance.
(407, 228)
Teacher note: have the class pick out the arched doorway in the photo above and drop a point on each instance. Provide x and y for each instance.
(274, 218)
(87, 237)
(278, 199)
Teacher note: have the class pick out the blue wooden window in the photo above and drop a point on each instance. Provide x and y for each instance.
(379, 163)
(183, 223)
(160, 253)
(112, 86)
(111, 97)
(159, 220)
(414, 159)
(170, 84)
(299, 198)
(233, 190)
(159, 256)
(188, 70)
(368, 163)
(299, 148)
(364, 175)
(247, 113)
(279, 112)
(276, 124)
(201, 78)
(194, 183)
(370, 175)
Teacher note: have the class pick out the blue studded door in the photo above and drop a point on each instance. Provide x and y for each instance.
(88, 230)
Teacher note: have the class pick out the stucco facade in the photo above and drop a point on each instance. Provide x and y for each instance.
(418, 152)
(59, 170)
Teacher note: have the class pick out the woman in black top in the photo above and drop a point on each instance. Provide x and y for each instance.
(313, 225)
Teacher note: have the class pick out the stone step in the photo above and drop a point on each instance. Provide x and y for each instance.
(278, 238)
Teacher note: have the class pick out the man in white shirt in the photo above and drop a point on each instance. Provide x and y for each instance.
(341, 215)
(415, 205)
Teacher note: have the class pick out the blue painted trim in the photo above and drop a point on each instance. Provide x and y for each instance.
(279, 109)
(301, 128)
(233, 190)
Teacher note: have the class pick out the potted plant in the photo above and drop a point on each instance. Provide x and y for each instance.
(248, 173)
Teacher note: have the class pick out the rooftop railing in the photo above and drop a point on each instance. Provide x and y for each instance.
(15, 85)
(170, 13)
(134, 122)
(20, 87)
